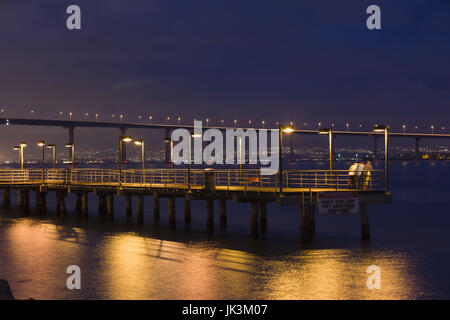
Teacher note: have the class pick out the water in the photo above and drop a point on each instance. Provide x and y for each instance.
(410, 243)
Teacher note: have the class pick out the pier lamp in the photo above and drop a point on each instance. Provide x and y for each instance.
(329, 132)
(381, 129)
(19, 148)
(141, 143)
(53, 147)
(282, 129)
(42, 145)
(122, 139)
(72, 146)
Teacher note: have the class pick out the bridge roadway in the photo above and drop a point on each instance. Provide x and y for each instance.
(300, 188)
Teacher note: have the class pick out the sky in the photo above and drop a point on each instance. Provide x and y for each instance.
(300, 61)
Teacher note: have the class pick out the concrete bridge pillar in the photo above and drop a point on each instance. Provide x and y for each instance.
(223, 212)
(140, 209)
(6, 193)
(123, 133)
(210, 216)
(254, 229)
(263, 216)
(417, 148)
(171, 207)
(187, 211)
(167, 143)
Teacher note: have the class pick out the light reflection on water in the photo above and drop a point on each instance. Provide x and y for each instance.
(34, 256)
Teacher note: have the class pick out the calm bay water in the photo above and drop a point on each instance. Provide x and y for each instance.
(410, 243)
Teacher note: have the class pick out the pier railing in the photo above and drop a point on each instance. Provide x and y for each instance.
(228, 179)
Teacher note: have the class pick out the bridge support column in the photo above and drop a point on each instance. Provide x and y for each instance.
(6, 193)
(129, 206)
(155, 206)
(187, 211)
(167, 145)
(110, 206)
(171, 207)
(41, 202)
(84, 204)
(263, 216)
(365, 226)
(417, 148)
(254, 229)
(223, 212)
(140, 209)
(60, 203)
(209, 215)
(123, 133)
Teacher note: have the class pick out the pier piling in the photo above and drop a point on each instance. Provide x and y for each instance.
(101, 203)
(140, 209)
(84, 204)
(110, 206)
(6, 193)
(60, 203)
(365, 227)
(41, 202)
(209, 215)
(223, 212)
(129, 206)
(187, 211)
(263, 216)
(254, 229)
(155, 206)
(171, 207)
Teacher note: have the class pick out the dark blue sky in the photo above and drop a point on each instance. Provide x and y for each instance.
(260, 60)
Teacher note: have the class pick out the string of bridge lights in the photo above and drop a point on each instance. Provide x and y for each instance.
(250, 123)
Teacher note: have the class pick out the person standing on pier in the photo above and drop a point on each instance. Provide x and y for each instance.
(366, 175)
(352, 175)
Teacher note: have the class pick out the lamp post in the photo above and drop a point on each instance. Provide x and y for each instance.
(42, 145)
(141, 143)
(53, 147)
(379, 128)
(72, 146)
(281, 129)
(329, 131)
(121, 141)
(189, 158)
(19, 148)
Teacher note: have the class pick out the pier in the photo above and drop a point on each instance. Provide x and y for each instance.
(299, 188)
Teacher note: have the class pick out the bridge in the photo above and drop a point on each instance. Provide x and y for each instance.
(300, 188)
(70, 125)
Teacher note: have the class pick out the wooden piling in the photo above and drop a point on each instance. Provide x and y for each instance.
(209, 215)
(6, 193)
(101, 203)
(84, 204)
(20, 199)
(223, 212)
(312, 216)
(305, 217)
(41, 202)
(155, 206)
(110, 206)
(140, 209)
(263, 216)
(187, 211)
(365, 226)
(25, 201)
(254, 229)
(129, 206)
(60, 203)
(78, 203)
(171, 208)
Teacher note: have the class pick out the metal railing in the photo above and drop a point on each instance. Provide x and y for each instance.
(228, 179)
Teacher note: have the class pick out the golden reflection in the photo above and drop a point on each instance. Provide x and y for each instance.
(340, 274)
